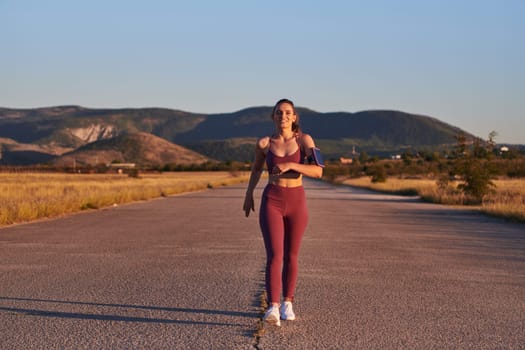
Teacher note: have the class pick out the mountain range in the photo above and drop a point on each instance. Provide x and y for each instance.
(159, 135)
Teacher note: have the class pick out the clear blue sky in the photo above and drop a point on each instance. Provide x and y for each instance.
(460, 61)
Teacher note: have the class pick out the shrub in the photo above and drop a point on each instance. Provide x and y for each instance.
(476, 176)
(133, 173)
(378, 173)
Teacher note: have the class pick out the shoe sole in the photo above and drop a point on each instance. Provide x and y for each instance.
(274, 321)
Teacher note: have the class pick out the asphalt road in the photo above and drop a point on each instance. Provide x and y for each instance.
(186, 272)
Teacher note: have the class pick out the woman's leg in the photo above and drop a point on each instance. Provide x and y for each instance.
(272, 227)
(295, 223)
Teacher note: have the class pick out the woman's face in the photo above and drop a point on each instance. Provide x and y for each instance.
(284, 116)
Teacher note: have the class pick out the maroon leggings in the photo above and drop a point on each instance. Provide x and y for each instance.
(283, 218)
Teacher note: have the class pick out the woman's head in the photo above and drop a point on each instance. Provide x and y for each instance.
(285, 108)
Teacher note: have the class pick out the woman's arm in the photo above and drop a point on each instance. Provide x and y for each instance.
(255, 175)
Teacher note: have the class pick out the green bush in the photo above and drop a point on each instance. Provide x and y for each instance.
(477, 178)
(378, 173)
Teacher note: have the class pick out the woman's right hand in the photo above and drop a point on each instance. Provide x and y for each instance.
(248, 204)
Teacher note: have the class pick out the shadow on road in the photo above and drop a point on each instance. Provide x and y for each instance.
(104, 317)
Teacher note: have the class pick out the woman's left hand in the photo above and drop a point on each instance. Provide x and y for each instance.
(281, 168)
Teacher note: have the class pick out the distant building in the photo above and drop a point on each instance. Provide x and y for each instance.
(122, 165)
(353, 155)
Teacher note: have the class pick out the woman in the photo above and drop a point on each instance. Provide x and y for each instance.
(283, 214)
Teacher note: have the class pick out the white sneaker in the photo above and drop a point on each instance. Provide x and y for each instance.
(287, 311)
(272, 315)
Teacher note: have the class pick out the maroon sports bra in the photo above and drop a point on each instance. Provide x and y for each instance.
(272, 159)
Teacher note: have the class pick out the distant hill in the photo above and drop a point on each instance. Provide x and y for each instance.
(73, 126)
(16, 153)
(226, 136)
(141, 148)
(336, 133)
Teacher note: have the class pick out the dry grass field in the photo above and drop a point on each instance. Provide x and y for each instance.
(507, 199)
(30, 196)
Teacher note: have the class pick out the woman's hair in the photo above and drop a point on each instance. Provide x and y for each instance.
(295, 124)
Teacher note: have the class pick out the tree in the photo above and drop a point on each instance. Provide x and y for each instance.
(461, 145)
(476, 176)
(378, 173)
(479, 151)
(363, 157)
(474, 169)
(407, 157)
(491, 142)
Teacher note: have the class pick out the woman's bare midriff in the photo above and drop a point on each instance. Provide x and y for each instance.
(284, 181)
